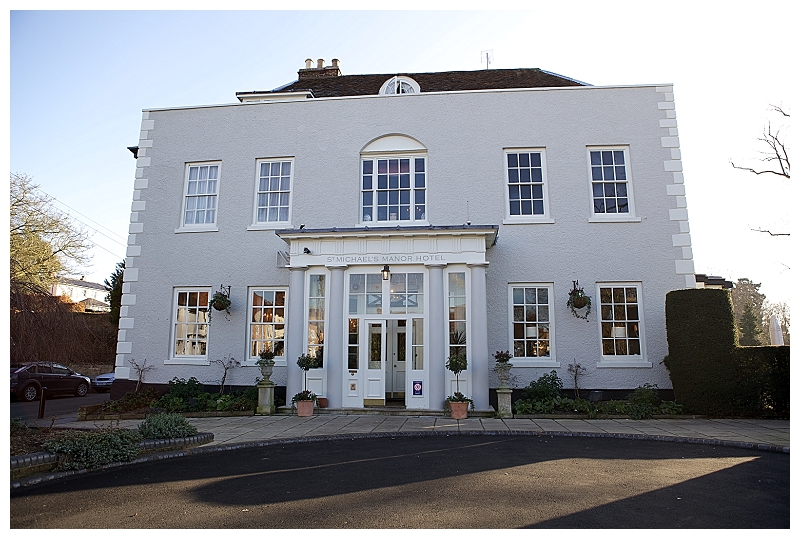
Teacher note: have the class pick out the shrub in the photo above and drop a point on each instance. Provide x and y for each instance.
(190, 396)
(186, 389)
(643, 402)
(132, 401)
(548, 386)
(670, 408)
(166, 425)
(92, 449)
(710, 373)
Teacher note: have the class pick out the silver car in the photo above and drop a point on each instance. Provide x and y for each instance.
(102, 382)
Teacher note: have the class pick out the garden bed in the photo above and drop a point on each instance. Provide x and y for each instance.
(93, 413)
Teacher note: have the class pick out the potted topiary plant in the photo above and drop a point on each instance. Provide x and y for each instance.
(579, 300)
(305, 399)
(458, 403)
(502, 366)
(266, 361)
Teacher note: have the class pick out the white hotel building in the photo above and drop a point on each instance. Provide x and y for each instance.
(485, 194)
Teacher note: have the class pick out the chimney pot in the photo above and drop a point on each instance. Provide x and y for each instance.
(309, 63)
(320, 63)
(335, 62)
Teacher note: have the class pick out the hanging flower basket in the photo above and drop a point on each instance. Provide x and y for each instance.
(579, 300)
(221, 302)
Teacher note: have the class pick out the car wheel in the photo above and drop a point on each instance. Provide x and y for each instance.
(81, 390)
(29, 393)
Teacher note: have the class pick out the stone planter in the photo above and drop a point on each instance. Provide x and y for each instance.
(266, 371)
(458, 410)
(305, 408)
(503, 371)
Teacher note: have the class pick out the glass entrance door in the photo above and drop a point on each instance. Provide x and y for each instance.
(396, 360)
(376, 363)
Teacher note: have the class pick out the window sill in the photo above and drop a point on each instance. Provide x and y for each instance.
(624, 363)
(270, 226)
(252, 363)
(631, 219)
(197, 229)
(528, 221)
(519, 362)
(187, 361)
(391, 224)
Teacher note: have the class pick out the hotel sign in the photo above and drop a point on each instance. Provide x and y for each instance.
(384, 259)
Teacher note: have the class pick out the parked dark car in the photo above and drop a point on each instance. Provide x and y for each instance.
(27, 381)
(102, 382)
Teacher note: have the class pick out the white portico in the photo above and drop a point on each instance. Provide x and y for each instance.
(385, 335)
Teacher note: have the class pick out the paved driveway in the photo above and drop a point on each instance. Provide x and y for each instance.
(427, 482)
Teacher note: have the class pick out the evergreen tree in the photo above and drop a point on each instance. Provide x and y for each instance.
(747, 293)
(749, 328)
(114, 287)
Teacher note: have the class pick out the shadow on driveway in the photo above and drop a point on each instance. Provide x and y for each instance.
(428, 482)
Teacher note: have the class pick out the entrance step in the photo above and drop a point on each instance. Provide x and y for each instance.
(387, 410)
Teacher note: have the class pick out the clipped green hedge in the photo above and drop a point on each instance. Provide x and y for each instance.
(166, 425)
(91, 449)
(710, 373)
(705, 312)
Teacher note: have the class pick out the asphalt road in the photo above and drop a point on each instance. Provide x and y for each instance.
(65, 406)
(428, 482)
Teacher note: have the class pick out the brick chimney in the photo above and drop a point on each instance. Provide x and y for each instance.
(320, 71)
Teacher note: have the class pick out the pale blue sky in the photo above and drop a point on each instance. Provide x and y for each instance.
(79, 80)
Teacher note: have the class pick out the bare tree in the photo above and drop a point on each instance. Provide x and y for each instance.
(141, 370)
(576, 370)
(775, 158)
(227, 363)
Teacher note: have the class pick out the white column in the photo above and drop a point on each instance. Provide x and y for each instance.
(334, 337)
(437, 330)
(479, 343)
(295, 346)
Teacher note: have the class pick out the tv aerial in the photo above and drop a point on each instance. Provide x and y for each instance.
(487, 57)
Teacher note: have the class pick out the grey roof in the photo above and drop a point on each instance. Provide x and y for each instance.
(446, 81)
(81, 283)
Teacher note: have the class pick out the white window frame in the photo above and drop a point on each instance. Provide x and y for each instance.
(533, 218)
(465, 378)
(630, 216)
(374, 157)
(533, 361)
(638, 360)
(405, 83)
(271, 225)
(201, 227)
(325, 320)
(280, 361)
(173, 358)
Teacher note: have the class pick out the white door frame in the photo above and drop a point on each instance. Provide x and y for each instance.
(374, 378)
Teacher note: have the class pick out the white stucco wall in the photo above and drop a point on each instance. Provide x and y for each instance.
(465, 134)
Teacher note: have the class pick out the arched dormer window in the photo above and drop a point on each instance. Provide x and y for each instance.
(399, 85)
(394, 181)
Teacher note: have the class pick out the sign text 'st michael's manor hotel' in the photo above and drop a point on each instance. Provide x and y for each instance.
(385, 222)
